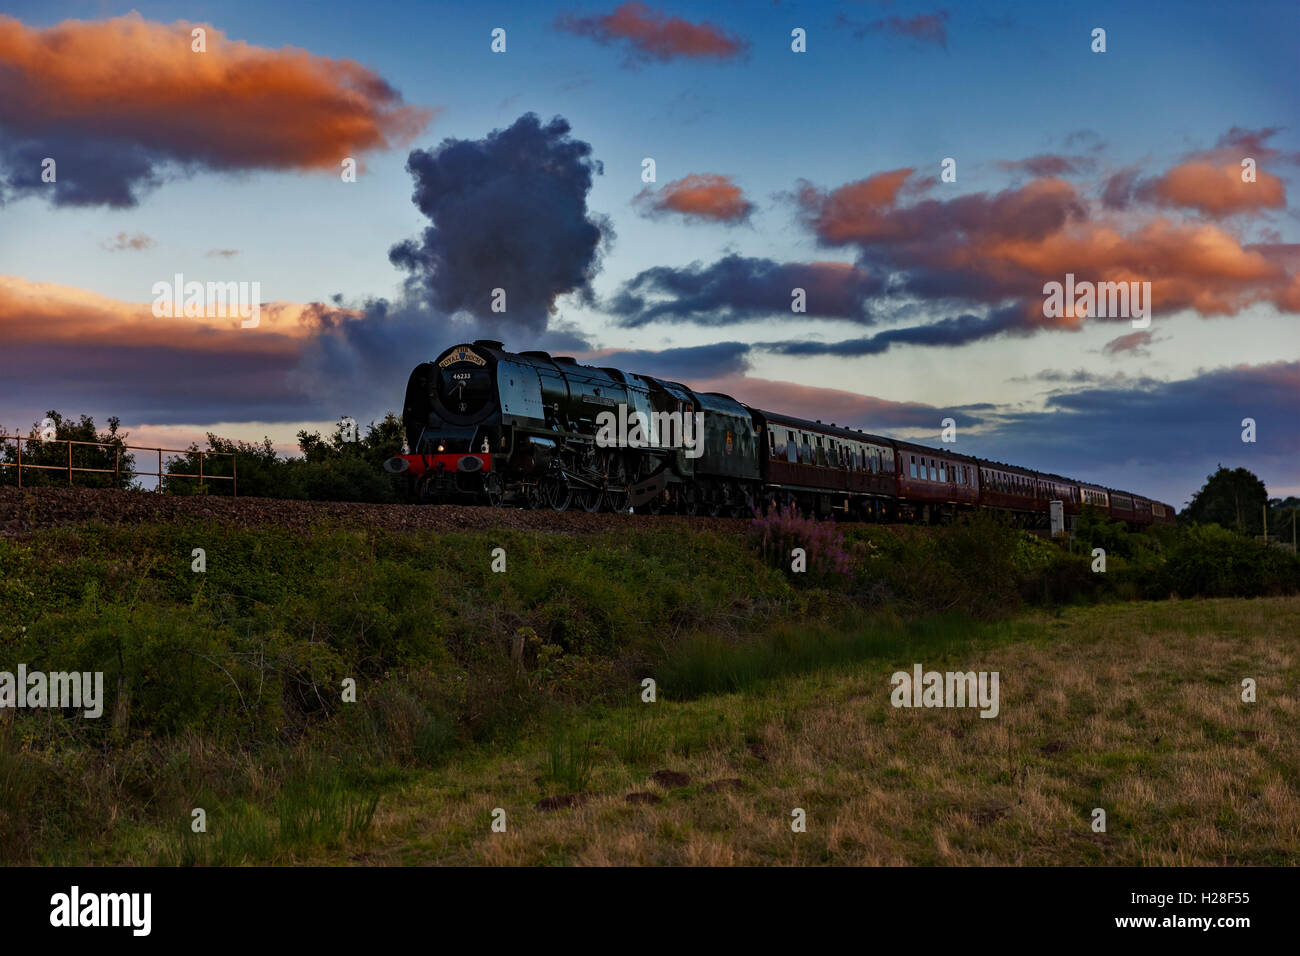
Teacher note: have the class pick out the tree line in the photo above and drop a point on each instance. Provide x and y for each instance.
(347, 466)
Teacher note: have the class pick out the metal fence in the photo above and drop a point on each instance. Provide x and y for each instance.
(115, 471)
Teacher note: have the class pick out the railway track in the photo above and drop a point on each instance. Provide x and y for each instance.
(28, 509)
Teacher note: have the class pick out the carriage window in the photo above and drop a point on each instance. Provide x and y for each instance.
(943, 473)
(913, 471)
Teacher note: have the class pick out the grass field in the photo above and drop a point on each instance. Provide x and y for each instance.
(1135, 709)
(520, 691)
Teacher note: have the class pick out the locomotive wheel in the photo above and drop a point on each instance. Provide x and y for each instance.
(589, 500)
(495, 489)
(689, 500)
(617, 501)
(554, 493)
(713, 503)
(740, 501)
(532, 497)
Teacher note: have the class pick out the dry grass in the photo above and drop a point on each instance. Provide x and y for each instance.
(1132, 708)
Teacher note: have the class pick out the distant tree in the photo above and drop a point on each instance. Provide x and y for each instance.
(259, 470)
(1234, 499)
(1282, 516)
(349, 467)
(332, 468)
(381, 441)
(1096, 530)
(54, 453)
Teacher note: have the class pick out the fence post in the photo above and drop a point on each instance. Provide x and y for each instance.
(69, 462)
(234, 476)
(117, 465)
(20, 461)
(200, 472)
(159, 488)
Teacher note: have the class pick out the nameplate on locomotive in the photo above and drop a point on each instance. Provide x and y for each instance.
(462, 353)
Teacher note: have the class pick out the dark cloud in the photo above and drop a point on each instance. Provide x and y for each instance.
(1133, 343)
(88, 172)
(651, 35)
(151, 383)
(948, 332)
(849, 409)
(509, 211)
(368, 353)
(735, 289)
(1050, 164)
(686, 364)
(1148, 436)
(1057, 376)
(1117, 193)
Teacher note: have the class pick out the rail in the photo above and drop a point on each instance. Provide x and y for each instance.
(116, 470)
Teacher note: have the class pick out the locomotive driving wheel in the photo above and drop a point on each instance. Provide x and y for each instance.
(616, 500)
(589, 499)
(714, 500)
(494, 489)
(554, 492)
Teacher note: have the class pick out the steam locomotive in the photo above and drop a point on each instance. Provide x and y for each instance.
(534, 430)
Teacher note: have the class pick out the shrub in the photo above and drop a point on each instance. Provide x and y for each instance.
(830, 562)
(1210, 561)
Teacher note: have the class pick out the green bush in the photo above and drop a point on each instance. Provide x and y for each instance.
(1210, 561)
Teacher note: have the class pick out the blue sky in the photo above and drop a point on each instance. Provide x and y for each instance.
(873, 93)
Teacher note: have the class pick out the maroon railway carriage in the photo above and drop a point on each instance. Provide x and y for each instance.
(1141, 511)
(932, 483)
(826, 469)
(1121, 506)
(1018, 490)
(1162, 513)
